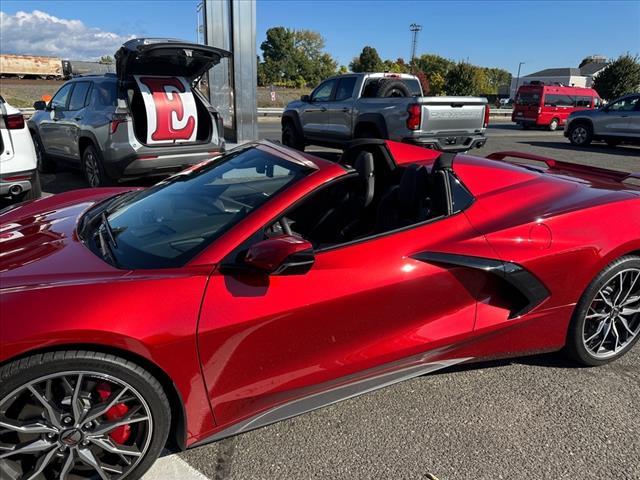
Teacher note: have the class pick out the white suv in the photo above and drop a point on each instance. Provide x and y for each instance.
(19, 178)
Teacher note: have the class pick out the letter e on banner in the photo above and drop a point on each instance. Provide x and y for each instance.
(171, 110)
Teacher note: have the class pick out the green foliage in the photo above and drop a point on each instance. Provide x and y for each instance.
(463, 79)
(294, 58)
(620, 77)
(437, 84)
(368, 61)
(343, 69)
(106, 59)
(431, 64)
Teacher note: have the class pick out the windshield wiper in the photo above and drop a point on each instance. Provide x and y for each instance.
(107, 226)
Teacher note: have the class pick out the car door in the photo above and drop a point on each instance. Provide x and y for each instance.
(365, 310)
(615, 119)
(340, 109)
(634, 121)
(74, 116)
(52, 126)
(314, 115)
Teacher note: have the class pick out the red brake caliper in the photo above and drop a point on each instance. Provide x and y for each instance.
(119, 410)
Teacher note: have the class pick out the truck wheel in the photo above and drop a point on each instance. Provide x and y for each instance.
(389, 87)
(45, 164)
(553, 126)
(290, 137)
(580, 134)
(93, 169)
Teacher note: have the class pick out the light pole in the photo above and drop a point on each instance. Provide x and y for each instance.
(415, 28)
(515, 92)
(199, 8)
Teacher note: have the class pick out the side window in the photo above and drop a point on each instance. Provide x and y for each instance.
(583, 102)
(79, 96)
(59, 100)
(345, 88)
(624, 105)
(323, 92)
(104, 94)
(554, 100)
(461, 198)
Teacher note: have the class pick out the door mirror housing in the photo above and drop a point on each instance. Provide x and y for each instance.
(282, 255)
(40, 105)
(305, 99)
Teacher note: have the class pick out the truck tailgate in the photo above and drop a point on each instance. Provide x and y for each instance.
(452, 114)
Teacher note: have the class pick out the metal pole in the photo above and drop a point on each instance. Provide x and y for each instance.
(415, 28)
(515, 92)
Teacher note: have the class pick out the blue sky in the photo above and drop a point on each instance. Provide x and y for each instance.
(499, 33)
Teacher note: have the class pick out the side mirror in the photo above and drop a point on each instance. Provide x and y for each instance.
(305, 98)
(283, 255)
(40, 105)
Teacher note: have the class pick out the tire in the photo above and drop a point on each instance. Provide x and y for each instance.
(78, 432)
(291, 138)
(45, 163)
(553, 126)
(389, 87)
(580, 134)
(591, 341)
(93, 169)
(36, 189)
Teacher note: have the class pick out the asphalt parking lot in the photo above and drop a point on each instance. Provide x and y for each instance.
(527, 418)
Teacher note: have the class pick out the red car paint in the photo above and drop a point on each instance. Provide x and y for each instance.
(239, 347)
(541, 104)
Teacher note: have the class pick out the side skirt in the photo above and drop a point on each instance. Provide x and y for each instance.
(348, 387)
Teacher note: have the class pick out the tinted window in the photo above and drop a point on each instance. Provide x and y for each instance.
(104, 94)
(79, 95)
(323, 92)
(554, 100)
(59, 100)
(166, 225)
(345, 88)
(625, 105)
(461, 198)
(528, 99)
(414, 87)
(583, 102)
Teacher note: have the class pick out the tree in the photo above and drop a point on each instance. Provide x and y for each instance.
(462, 79)
(106, 59)
(495, 78)
(368, 61)
(431, 64)
(620, 77)
(343, 69)
(437, 84)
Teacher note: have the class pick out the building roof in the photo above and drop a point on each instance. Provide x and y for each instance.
(556, 72)
(592, 68)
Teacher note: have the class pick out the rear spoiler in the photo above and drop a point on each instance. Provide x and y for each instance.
(552, 164)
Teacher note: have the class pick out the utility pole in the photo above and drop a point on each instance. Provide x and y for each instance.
(199, 29)
(515, 92)
(415, 28)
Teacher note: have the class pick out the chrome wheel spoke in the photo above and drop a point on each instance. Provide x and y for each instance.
(616, 308)
(104, 407)
(87, 457)
(78, 410)
(36, 427)
(51, 411)
(35, 446)
(41, 464)
(68, 464)
(109, 426)
(110, 446)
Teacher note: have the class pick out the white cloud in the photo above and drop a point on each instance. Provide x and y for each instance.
(38, 33)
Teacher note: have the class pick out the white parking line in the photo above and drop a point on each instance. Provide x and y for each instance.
(172, 467)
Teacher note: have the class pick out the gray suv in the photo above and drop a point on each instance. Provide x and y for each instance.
(99, 122)
(616, 122)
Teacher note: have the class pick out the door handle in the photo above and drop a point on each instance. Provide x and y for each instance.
(78, 118)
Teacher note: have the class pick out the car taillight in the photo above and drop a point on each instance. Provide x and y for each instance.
(116, 120)
(415, 116)
(14, 121)
(487, 111)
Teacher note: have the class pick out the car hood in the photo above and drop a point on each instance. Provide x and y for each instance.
(39, 245)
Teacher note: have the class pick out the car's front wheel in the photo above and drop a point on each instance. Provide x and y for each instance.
(606, 322)
(580, 134)
(79, 415)
(291, 138)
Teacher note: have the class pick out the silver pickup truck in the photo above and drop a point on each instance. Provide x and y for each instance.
(383, 105)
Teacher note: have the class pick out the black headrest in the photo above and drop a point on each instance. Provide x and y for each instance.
(413, 186)
(365, 167)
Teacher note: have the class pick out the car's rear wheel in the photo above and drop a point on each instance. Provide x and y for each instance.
(44, 162)
(553, 126)
(93, 169)
(79, 415)
(580, 134)
(606, 322)
(291, 138)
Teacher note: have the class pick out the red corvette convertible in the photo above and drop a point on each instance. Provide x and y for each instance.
(266, 283)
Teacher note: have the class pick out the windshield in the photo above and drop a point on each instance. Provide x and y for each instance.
(168, 224)
(528, 99)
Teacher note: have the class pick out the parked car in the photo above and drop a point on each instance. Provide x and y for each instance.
(616, 122)
(387, 106)
(550, 105)
(101, 123)
(19, 179)
(287, 283)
